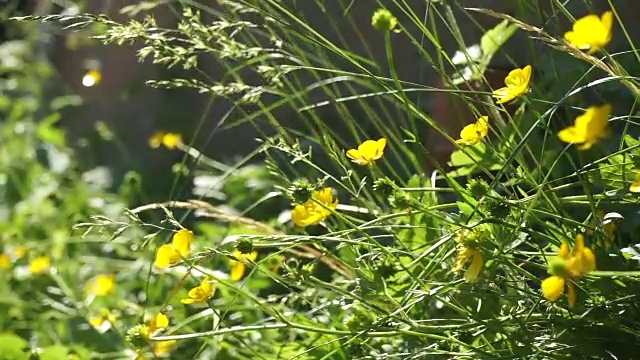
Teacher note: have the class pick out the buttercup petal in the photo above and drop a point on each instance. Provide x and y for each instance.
(166, 255)
(182, 241)
(572, 295)
(571, 135)
(237, 271)
(160, 321)
(588, 260)
(353, 154)
(563, 252)
(635, 187)
(473, 272)
(552, 288)
(578, 246)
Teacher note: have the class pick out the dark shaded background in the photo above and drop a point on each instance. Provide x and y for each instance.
(134, 111)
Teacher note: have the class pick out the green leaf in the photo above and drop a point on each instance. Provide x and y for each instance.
(617, 173)
(48, 133)
(465, 208)
(471, 158)
(493, 39)
(632, 252)
(469, 155)
(13, 347)
(55, 352)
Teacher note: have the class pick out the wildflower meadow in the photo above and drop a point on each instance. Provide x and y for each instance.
(491, 212)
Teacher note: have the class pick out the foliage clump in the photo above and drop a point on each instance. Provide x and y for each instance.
(338, 245)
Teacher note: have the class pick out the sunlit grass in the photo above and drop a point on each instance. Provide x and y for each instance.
(350, 239)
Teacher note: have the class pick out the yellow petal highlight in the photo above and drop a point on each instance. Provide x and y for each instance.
(368, 152)
(172, 140)
(473, 272)
(563, 252)
(19, 252)
(473, 133)
(572, 295)
(591, 33)
(200, 293)
(588, 261)
(97, 321)
(553, 288)
(238, 267)
(5, 261)
(578, 247)
(156, 139)
(160, 321)
(237, 271)
(305, 215)
(635, 187)
(316, 209)
(163, 347)
(169, 140)
(572, 135)
(39, 265)
(588, 128)
(182, 241)
(101, 285)
(576, 264)
(517, 84)
(103, 322)
(166, 256)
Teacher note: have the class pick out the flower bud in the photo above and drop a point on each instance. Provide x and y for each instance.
(245, 246)
(383, 20)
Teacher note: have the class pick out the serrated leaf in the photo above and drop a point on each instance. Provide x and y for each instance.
(617, 173)
(632, 252)
(465, 208)
(469, 155)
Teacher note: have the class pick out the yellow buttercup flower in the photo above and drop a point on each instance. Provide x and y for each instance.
(474, 255)
(19, 252)
(160, 321)
(103, 322)
(5, 261)
(171, 254)
(316, 209)
(368, 152)
(383, 20)
(182, 241)
(635, 187)
(307, 214)
(156, 139)
(588, 128)
(567, 268)
(101, 285)
(238, 267)
(200, 293)
(473, 133)
(168, 139)
(553, 287)
(92, 77)
(163, 347)
(517, 84)
(591, 32)
(469, 251)
(171, 140)
(39, 264)
(97, 321)
(166, 255)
